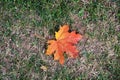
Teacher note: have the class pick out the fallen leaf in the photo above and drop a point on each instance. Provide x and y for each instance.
(64, 43)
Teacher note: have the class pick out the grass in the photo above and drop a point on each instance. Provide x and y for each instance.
(22, 54)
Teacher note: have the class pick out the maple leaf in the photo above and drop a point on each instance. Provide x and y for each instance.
(64, 43)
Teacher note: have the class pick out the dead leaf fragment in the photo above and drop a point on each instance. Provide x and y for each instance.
(44, 68)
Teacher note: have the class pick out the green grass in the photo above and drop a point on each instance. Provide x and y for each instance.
(22, 54)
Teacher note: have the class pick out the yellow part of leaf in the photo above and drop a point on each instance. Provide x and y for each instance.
(62, 32)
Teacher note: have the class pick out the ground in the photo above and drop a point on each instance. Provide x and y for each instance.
(26, 26)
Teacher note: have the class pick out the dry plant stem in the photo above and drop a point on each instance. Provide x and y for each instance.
(42, 39)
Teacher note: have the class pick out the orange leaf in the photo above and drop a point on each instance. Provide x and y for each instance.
(65, 42)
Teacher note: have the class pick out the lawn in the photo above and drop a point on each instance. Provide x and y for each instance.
(22, 53)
